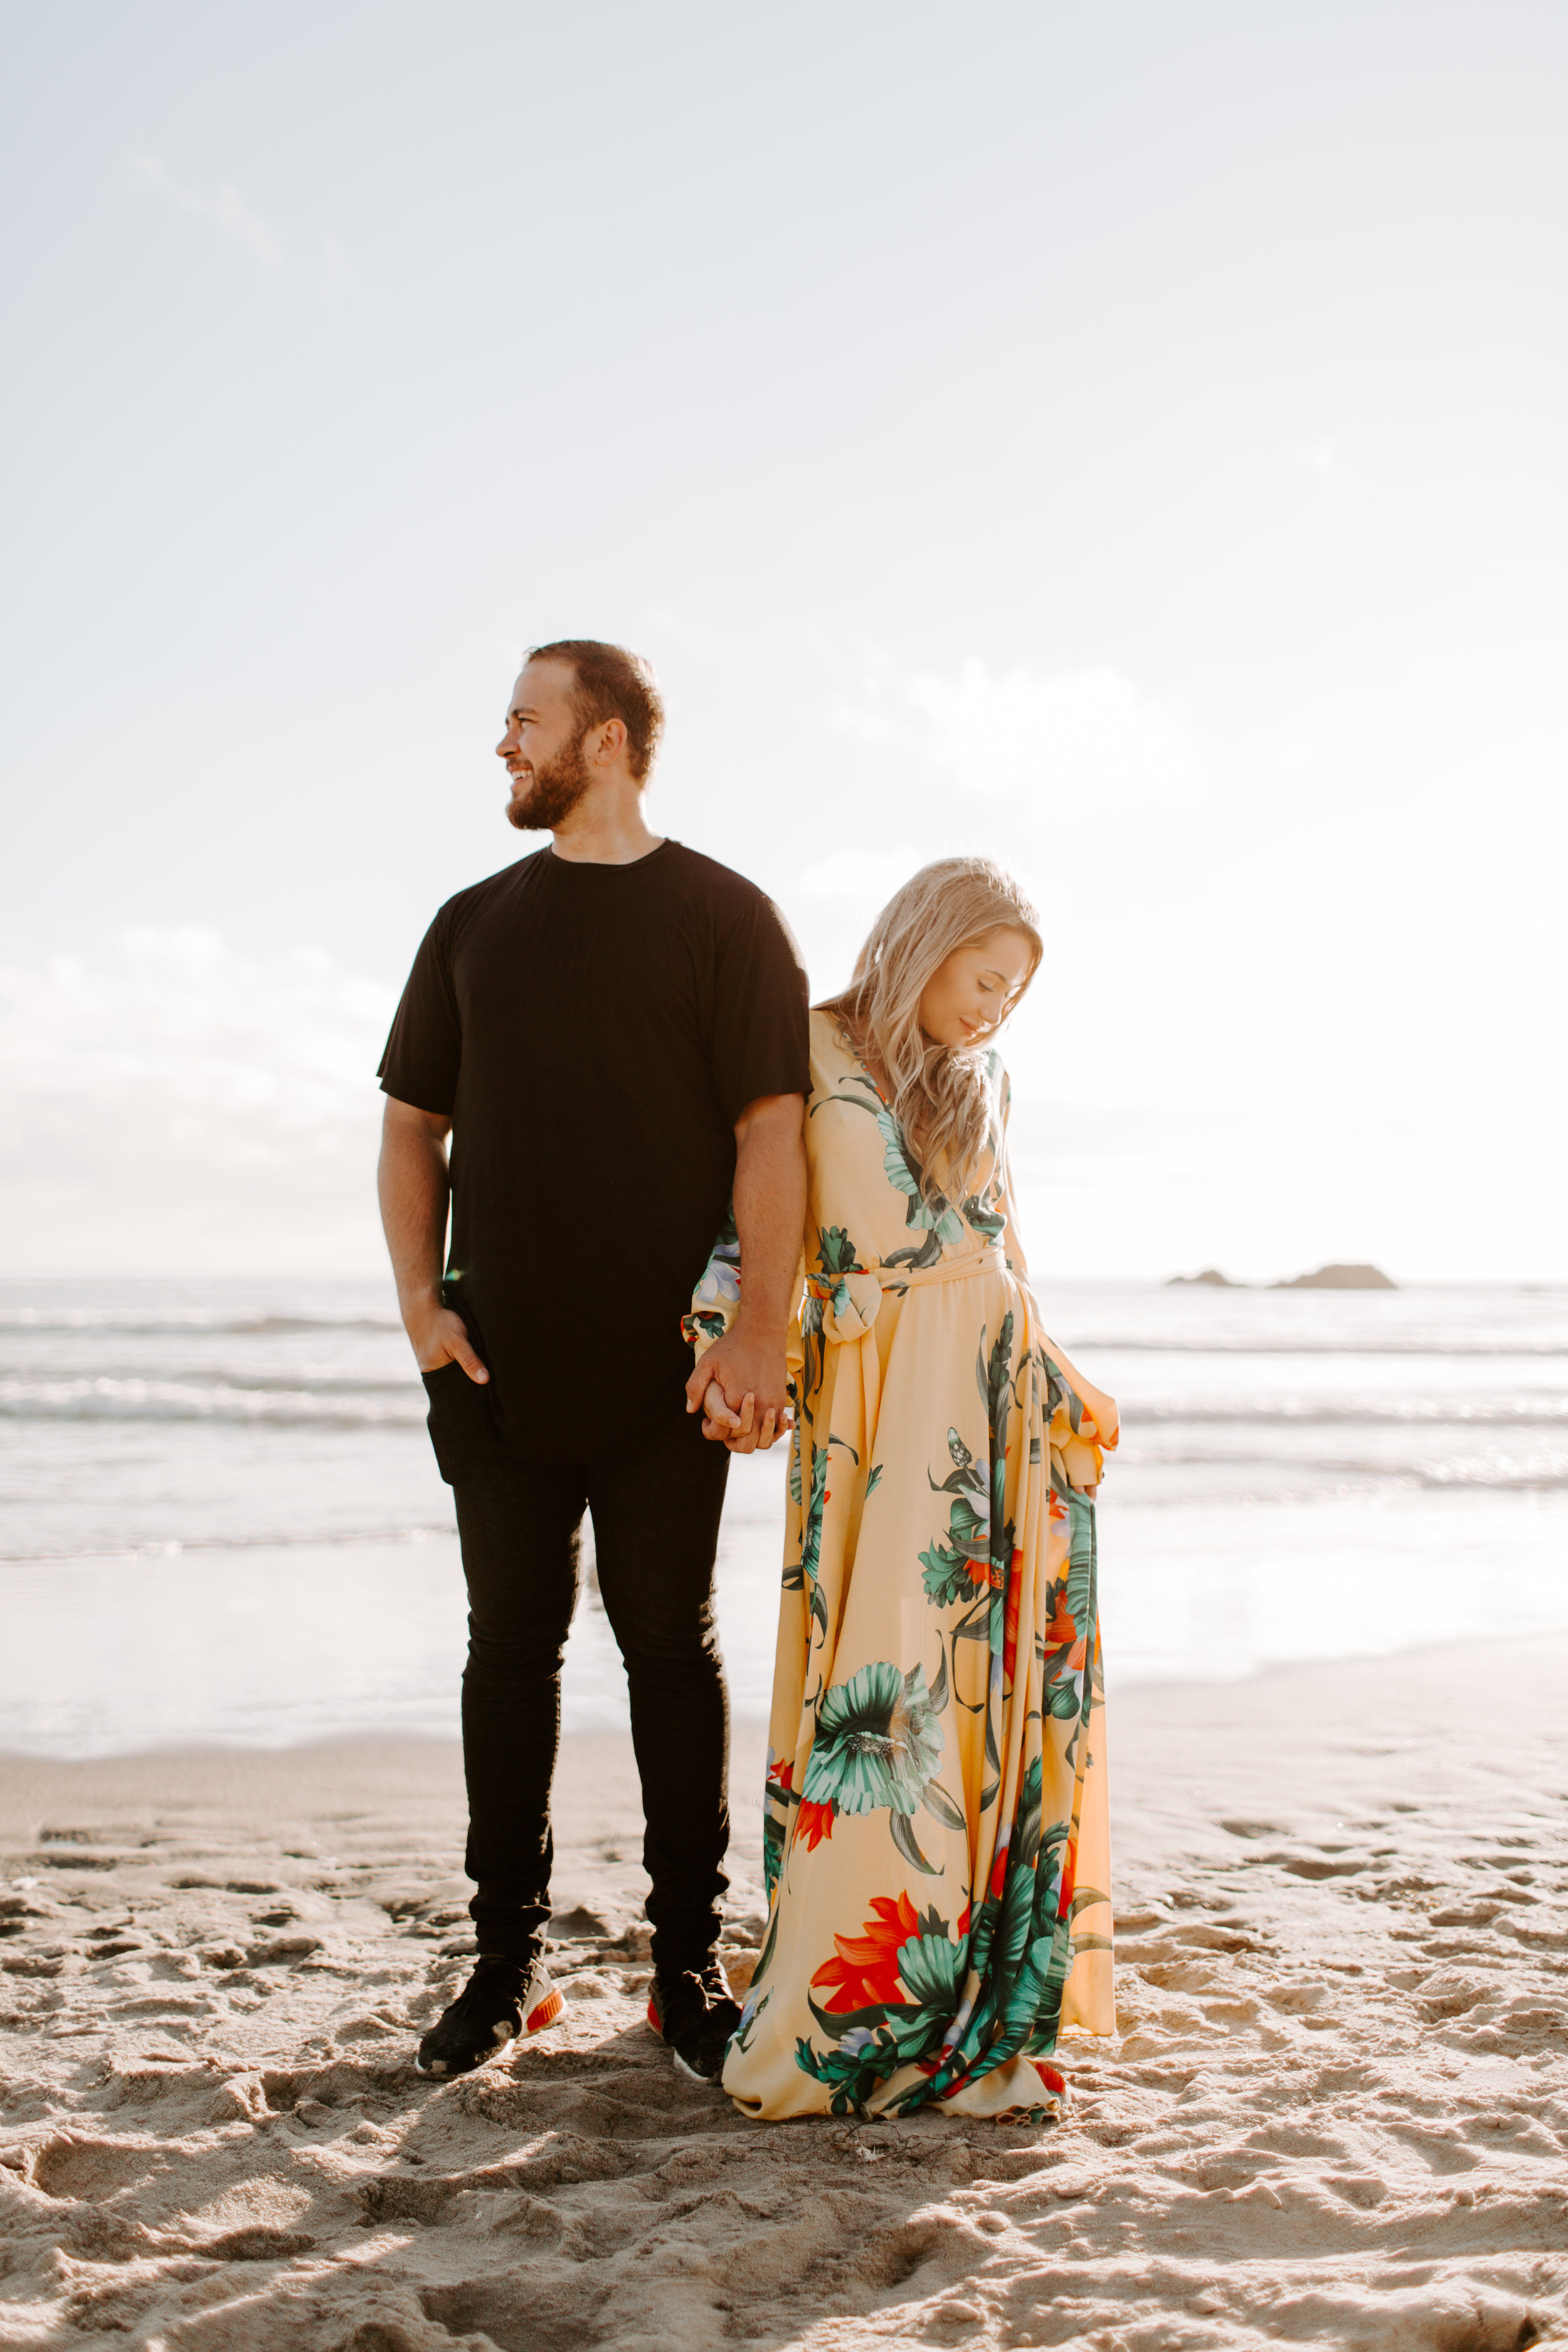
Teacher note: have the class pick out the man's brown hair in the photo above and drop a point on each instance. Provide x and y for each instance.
(608, 682)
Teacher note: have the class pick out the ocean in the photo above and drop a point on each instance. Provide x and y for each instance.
(220, 1520)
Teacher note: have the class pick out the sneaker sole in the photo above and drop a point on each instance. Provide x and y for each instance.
(680, 2064)
(549, 2010)
(538, 2020)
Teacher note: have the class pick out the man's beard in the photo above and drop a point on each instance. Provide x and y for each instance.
(554, 792)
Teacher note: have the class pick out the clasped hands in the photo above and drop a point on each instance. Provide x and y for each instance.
(739, 1389)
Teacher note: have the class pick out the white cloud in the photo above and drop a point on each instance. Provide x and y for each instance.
(227, 211)
(1062, 743)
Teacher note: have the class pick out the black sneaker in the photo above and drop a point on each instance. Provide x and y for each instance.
(696, 2013)
(502, 2002)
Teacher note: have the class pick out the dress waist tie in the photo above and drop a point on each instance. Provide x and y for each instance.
(987, 1259)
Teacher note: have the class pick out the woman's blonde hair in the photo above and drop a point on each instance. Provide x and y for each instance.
(938, 1092)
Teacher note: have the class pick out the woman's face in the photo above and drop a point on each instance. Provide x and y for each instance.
(969, 995)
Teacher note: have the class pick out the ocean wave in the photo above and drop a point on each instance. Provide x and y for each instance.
(1499, 1474)
(170, 1401)
(40, 1379)
(289, 1538)
(178, 1323)
(1535, 1350)
(350, 1402)
(1407, 1412)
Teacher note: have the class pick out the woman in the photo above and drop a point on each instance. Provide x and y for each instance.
(935, 1831)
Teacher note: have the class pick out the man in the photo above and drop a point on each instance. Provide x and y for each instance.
(613, 1032)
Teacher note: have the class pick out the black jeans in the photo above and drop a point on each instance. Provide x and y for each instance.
(655, 1531)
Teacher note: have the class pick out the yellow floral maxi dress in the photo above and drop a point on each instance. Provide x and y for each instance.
(936, 1834)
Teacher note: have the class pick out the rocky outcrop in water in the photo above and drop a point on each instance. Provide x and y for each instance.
(1339, 1277)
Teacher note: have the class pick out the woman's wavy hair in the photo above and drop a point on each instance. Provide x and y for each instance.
(938, 1092)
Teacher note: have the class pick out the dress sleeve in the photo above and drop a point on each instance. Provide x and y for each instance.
(1012, 1240)
(716, 1300)
(1079, 1429)
(424, 1050)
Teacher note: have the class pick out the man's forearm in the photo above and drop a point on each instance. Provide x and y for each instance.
(770, 1217)
(413, 1188)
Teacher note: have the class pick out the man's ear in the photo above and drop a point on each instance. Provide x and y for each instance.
(612, 741)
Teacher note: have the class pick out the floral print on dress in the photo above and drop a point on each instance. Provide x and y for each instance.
(935, 1828)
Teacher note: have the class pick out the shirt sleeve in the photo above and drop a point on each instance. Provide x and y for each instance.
(761, 1042)
(424, 1050)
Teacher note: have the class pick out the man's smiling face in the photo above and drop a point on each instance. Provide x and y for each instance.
(542, 749)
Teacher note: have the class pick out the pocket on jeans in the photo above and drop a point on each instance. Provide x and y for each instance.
(460, 1422)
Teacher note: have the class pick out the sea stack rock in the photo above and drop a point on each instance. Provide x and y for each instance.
(1211, 1275)
(1338, 1277)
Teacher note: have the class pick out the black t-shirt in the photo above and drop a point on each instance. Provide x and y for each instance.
(593, 1033)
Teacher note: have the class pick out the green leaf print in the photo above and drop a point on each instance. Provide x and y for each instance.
(916, 1260)
(931, 1970)
(836, 1257)
(772, 1853)
(1025, 1844)
(878, 1742)
(984, 1219)
(899, 1166)
(946, 1576)
(968, 1529)
(903, 1830)
(902, 1981)
(1080, 1557)
(836, 1252)
(904, 1173)
(967, 1479)
(940, 1806)
(801, 1576)
(873, 1480)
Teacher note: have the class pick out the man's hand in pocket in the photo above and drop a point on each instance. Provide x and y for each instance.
(439, 1337)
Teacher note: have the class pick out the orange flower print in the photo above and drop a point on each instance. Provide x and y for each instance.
(813, 1822)
(1062, 1628)
(865, 1972)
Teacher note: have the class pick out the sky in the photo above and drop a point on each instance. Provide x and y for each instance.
(1128, 442)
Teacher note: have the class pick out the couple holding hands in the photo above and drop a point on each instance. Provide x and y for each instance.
(658, 1149)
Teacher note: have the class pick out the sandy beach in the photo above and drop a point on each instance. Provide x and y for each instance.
(1336, 2112)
